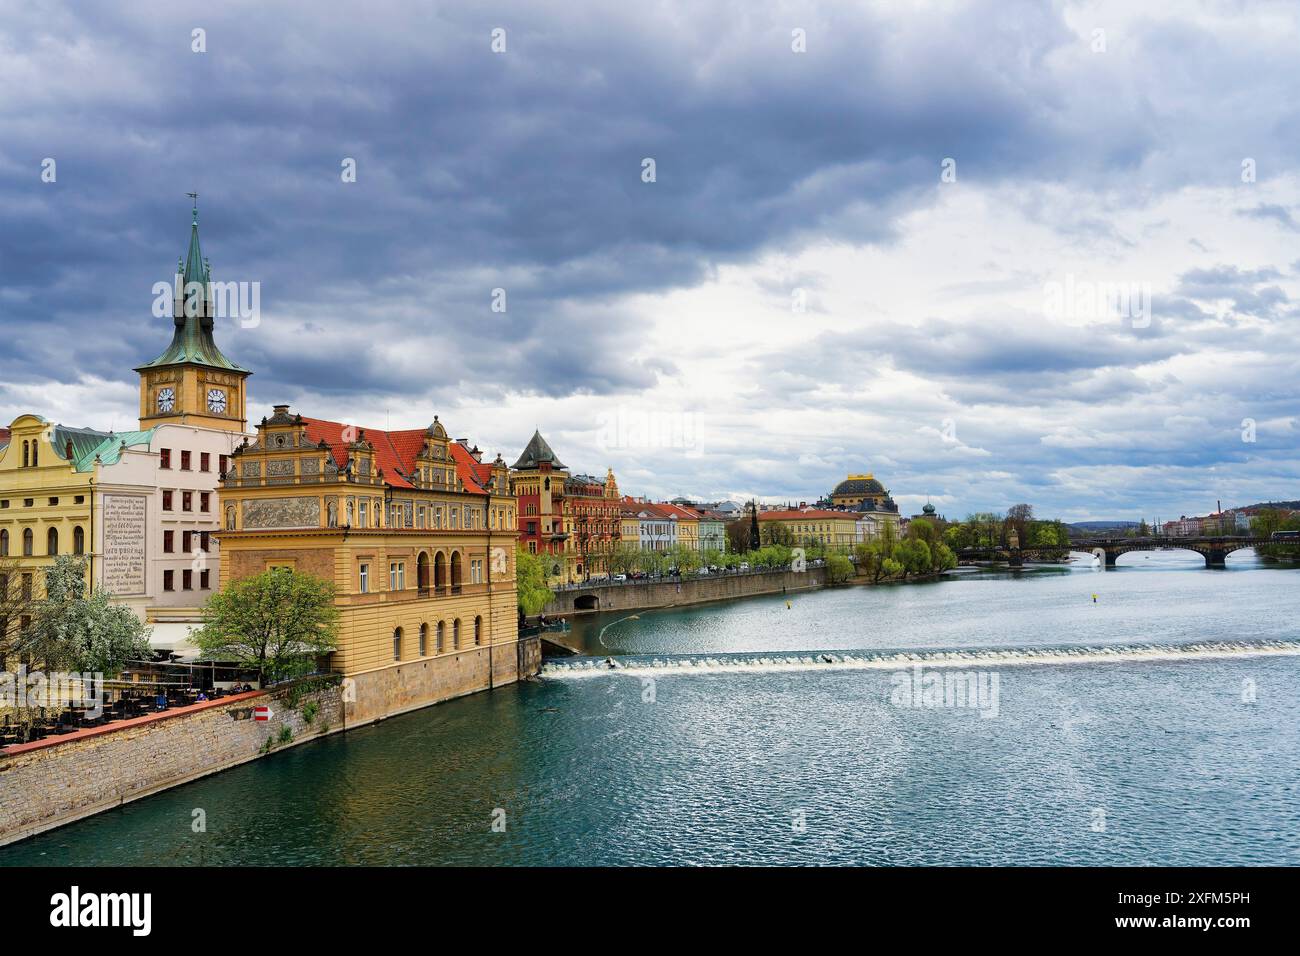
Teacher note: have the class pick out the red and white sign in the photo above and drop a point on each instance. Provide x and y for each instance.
(262, 713)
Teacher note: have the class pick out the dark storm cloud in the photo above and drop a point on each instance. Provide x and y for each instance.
(478, 170)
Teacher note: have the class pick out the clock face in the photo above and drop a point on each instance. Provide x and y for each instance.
(216, 401)
(166, 399)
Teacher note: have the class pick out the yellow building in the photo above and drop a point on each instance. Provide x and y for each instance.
(835, 530)
(417, 535)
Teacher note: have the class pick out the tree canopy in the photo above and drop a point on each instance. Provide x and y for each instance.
(278, 621)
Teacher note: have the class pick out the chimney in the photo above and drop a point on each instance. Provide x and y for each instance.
(281, 409)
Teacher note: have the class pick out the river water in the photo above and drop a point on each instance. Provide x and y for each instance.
(1156, 724)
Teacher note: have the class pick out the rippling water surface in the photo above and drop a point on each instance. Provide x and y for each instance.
(1156, 725)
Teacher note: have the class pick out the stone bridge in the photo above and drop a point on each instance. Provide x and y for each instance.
(1215, 550)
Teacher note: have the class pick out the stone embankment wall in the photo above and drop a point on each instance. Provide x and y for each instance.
(61, 779)
(638, 595)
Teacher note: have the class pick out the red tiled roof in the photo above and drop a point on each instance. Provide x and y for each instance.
(811, 514)
(475, 474)
(4, 436)
(677, 511)
(395, 452)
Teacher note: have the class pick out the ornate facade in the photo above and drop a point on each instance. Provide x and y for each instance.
(416, 533)
(572, 521)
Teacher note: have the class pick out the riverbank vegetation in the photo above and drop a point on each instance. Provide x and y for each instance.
(1018, 528)
(1270, 520)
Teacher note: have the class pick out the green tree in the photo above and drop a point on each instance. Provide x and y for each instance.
(838, 569)
(531, 592)
(942, 557)
(914, 556)
(278, 621)
(70, 631)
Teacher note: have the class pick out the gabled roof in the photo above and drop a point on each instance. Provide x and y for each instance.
(536, 453)
(395, 452)
(678, 512)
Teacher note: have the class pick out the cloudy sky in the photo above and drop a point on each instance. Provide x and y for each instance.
(991, 252)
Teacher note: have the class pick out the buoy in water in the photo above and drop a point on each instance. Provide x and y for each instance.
(787, 605)
(1094, 599)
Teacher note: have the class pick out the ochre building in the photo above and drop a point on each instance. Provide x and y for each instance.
(414, 530)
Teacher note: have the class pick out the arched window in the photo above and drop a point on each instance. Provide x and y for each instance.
(456, 572)
(26, 456)
(27, 542)
(52, 542)
(424, 640)
(440, 573)
(422, 576)
(442, 637)
(478, 630)
(36, 450)
(397, 644)
(78, 540)
(455, 634)
(4, 543)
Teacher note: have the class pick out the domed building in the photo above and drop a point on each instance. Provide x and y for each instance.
(857, 490)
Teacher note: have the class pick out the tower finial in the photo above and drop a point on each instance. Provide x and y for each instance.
(195, 198)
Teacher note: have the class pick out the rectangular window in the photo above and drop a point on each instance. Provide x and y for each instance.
(169, 542)
(187, 501)
(205, 461)
(363, 579)
(203, 580)
(205, 501)
(187, 580)
(54, 501)
(169, 581)
(204, 538)
(397, 576)
(362, 513)
(164, 457)
(167, 501)
(78, 500)
(187, 540)
(185, 461)
(223, 463)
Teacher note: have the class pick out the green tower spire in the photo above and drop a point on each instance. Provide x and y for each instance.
(192, 340)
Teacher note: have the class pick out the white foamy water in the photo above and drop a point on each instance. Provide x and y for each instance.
(871, 660)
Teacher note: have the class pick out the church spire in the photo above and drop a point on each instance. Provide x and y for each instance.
(192, 341)
(196, 268)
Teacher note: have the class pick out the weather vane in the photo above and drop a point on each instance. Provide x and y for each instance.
(195, 197)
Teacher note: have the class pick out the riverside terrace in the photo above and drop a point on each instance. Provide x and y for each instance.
(144, 689)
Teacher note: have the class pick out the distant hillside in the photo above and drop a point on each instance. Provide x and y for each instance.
(1084, 528)
(1288, 505)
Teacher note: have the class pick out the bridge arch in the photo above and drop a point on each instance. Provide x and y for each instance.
(586, 602)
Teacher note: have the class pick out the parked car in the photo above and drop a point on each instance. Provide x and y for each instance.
(744, 565)
(620, 578)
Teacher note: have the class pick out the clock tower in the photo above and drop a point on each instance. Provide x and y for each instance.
(192, 383)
